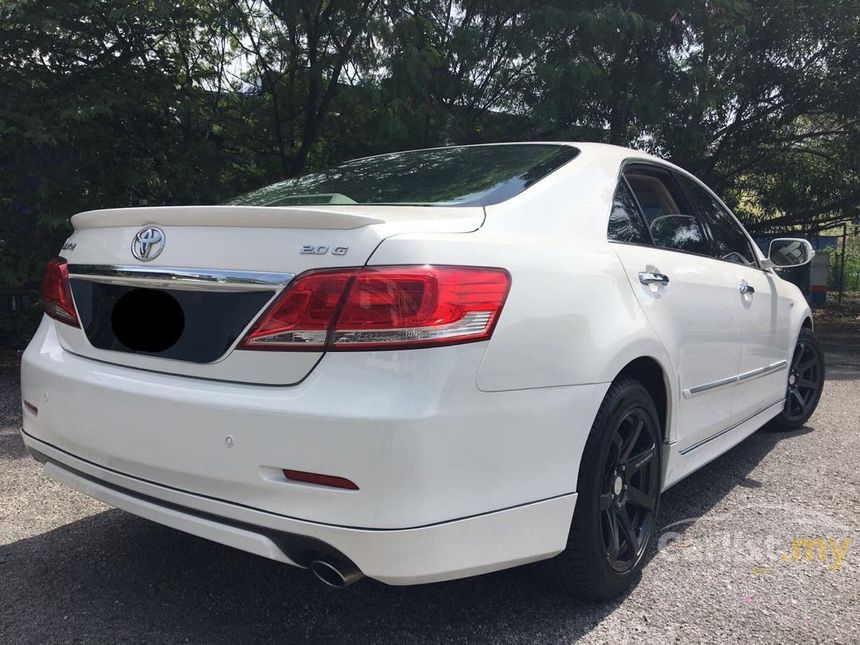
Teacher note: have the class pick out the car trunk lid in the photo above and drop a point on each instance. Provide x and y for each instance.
(183, 309)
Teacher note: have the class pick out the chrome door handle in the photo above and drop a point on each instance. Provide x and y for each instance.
(744, 287)
(649, 277)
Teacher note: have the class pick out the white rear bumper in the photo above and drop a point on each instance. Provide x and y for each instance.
(452, 481)
(456, 549)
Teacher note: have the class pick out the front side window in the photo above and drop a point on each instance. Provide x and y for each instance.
(666, 213)
(730, 242)
(625, 222)
(455, 176)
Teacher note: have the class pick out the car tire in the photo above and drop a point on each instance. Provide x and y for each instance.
(805, 383)
(618, 494)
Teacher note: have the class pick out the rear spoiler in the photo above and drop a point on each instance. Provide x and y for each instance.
(247, 216)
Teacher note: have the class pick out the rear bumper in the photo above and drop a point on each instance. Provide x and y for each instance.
(452, 481)
(433, 553)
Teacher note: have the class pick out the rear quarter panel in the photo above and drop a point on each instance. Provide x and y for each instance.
(571, 317)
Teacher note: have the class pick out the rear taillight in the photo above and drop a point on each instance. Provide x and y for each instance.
(57, 293)
(301, 317)
(383, 308)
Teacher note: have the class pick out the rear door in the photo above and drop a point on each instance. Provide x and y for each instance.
(690, 298)
(762, 371)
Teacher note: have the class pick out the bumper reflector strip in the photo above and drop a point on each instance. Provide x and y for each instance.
(320, 480)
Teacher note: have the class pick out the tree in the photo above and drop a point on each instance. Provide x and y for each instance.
(105, 103)
(109, 103)
(297, 55)
(767, 88)
(456, 67)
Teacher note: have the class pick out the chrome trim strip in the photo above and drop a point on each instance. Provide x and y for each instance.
(180, 278)
(710, 386)
(759, 371)
(701, 443)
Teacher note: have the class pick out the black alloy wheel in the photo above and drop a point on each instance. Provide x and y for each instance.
(805, 382)
(618, 496)
(630, 490)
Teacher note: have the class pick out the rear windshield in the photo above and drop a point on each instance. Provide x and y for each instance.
(456, 176)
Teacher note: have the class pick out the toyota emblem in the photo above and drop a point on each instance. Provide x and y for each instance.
(148, 244)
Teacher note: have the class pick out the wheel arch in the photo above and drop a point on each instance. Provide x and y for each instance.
(654, 377)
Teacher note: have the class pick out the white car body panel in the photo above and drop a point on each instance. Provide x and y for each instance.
(123, 419)
(696, 318)
(769, 333)
(466, 456)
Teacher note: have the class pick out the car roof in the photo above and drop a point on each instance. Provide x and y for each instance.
(609, 152)
(593, 150)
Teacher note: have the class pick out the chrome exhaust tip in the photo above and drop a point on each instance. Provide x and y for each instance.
(335, 574)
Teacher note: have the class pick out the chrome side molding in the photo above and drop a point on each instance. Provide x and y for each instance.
(180, 278)
(710, 386)
(761, 371)
(745, 376)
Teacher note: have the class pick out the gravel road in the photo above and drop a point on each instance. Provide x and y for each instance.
(729, 568)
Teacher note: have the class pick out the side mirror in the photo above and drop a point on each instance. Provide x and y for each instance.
(785, 252)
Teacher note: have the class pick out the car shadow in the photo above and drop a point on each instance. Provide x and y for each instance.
(693, 497)
(113, 576)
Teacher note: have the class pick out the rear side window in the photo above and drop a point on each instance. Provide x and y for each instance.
(625, 221)
(730, 242)
(669, 218)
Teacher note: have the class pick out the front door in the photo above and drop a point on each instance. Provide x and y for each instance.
(765, 354)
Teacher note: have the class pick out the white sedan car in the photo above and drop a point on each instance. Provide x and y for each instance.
(420, 366)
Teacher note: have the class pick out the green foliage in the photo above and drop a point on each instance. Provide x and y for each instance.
(852, 264)
(101, 107)
(107, 103)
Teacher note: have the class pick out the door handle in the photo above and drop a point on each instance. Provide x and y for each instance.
(744, 287)
(650, 277)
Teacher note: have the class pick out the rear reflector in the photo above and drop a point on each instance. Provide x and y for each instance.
(57, 293)
(373, 308)
(321, 480)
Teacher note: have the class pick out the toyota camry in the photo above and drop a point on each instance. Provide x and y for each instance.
(420, 366)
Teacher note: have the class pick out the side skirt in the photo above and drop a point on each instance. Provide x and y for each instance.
(682, 462)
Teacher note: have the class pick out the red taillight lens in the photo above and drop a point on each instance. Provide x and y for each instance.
(383, 308)
(57, 293)
(420, 306)
(301, 317)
